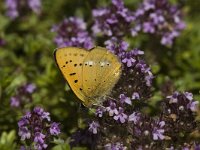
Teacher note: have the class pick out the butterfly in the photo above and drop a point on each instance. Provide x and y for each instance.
(91, 74)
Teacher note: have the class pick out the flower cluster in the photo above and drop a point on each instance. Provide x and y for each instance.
(140, 130)
(143, 131)
(72, 32)
(179, 112)
(160, 18)
(133, 65)
(147, 133)
(16, 7)
(114, 20)
(23, 95)
(36, 129)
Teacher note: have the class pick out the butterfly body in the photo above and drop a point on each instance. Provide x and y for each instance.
(90, 74)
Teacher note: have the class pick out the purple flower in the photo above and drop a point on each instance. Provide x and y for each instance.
(124, 99)
(149, 78)
(30, 88)
(137, 52)
(35, 5)
(112, 109)
(160, 18)
(23, 122)
(116, 46)
(128, 60)
(23, 96)
(34, 129)
(24, 133)
(45, 115)
(179, 111)
(54, 129)
(14, 102)
(131, 60)
(135, 95)
(38, 110)
(72, 32)
(39, 137)
(41, 113)
(99, 111)
(173, 98)
(159, 131)
(193, 106)
(167, 39)
(12, 11)
(114, 20)
(93, 127)
(134, 117)
(188, 95)
(148, 27)
(15, 7)
(121, 116)
(41, 146)
(23, 148)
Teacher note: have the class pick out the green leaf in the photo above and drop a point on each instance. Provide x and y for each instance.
(61, 147)
(7, 140)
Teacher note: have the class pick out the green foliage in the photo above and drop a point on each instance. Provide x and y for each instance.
(61, 147)
(7, 140)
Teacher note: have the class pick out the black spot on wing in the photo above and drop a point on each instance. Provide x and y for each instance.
(71, 74)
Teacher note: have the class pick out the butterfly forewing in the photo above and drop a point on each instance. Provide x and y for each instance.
(101, 74)
(70, 62)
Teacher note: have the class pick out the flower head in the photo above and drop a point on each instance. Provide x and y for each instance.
(100, 111)
(134, 117)
(23, 95)
(93, 127)
(112, 109)
(159, 18)
(35, 128)
(72, 32)
(121, 116)
(54, 128)
(158, 131)
(124, 99)
(114, 20)
(179, 111)
(15, 7)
